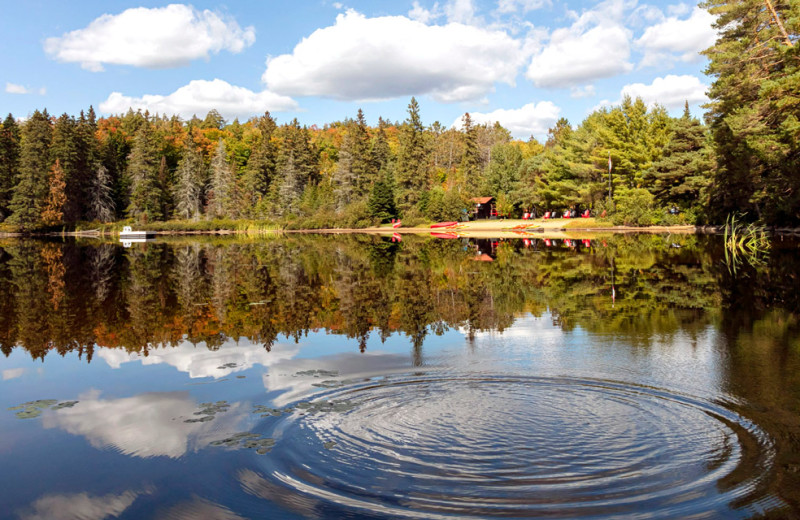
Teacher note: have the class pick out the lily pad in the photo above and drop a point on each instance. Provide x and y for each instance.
(329, 445)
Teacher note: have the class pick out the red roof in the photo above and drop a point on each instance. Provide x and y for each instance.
(481, 200)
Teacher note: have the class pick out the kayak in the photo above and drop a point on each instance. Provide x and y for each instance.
(444, 225)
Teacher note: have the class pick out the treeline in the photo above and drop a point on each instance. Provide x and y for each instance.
(57, 171)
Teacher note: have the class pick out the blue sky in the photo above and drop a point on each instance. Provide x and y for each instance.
(522, 62)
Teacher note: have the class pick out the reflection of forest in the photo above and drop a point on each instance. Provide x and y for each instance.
(72, 297)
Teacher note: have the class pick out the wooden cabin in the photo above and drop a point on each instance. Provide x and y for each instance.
(484, 208)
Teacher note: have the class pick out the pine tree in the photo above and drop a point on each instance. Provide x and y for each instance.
(9, 163)
(297, 168)
(190, 183)
(380, 204)
(31, 189)
(354, 171)
(222, 197)
(260, 170)
(411, 170)
(381, 153)
(53, 211)
(64, 149)
(101, 196)
(143, 171)
(754, 114)
(684, 170)
(471, 160)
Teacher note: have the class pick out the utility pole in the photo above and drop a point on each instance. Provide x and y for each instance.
(609, 175)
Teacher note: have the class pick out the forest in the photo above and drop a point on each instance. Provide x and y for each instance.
(632, 162)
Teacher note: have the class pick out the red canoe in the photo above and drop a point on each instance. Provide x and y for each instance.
(444, 235)
(444, 225)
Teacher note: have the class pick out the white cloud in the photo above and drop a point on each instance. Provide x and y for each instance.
(531, 119)
(511, 6)
(80, 505)
(200, 96)
(146, 425)
(460, 11)
(582, 92)
(360, 58)
(673, 38)
(423, 15)
(13, 88)
(670, 91)
(596, 45)
(12, 373)
(161, 37)
(198, 361)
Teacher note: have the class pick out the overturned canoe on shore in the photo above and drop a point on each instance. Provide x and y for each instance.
(444, 225)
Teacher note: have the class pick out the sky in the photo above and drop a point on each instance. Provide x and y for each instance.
(524, 63)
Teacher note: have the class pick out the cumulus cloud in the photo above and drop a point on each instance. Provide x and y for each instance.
(360, 58)
(161, 37)
(198, 361)
(200, 96)
(13, 88)
(670, 91)
(596, 45)
(146, 425)
(531, 119)
(674, 38)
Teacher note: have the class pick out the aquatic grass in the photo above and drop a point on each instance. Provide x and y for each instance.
(744, 243)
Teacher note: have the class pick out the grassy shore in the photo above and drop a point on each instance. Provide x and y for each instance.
(479, 228)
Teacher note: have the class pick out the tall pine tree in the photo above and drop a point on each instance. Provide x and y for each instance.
(754, 113)
(411, 170)
(32, 186)
(144, 163)
(9, 163)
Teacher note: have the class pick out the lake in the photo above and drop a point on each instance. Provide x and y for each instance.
(318, 376)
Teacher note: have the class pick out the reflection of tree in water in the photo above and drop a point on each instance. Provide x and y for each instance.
(212, 290)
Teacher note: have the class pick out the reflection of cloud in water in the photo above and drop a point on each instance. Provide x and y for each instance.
(198, 361)
(12, 373)
(79, 506)
(146, 425)
(200, 508)
(283, 376)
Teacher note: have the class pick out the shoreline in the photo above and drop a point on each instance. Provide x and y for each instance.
(511, 228)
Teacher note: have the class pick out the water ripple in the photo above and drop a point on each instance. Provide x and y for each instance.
(428, 446)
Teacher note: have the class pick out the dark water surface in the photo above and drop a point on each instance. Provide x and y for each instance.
(355, 377)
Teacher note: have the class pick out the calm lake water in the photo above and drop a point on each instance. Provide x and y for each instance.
(356, 377)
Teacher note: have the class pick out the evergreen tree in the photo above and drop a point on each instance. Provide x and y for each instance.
(101, 196)
(144, 163)
(190, 182)
(64, 149)
(32, 187)
(87, 162)
(381, 153)
(260, 170)
(9, 163)
(222, 199)
(754, 113)
(381, 199)
(684, 170)
(471, 160)
(411, 171)
(53, 211)
(296, 168)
